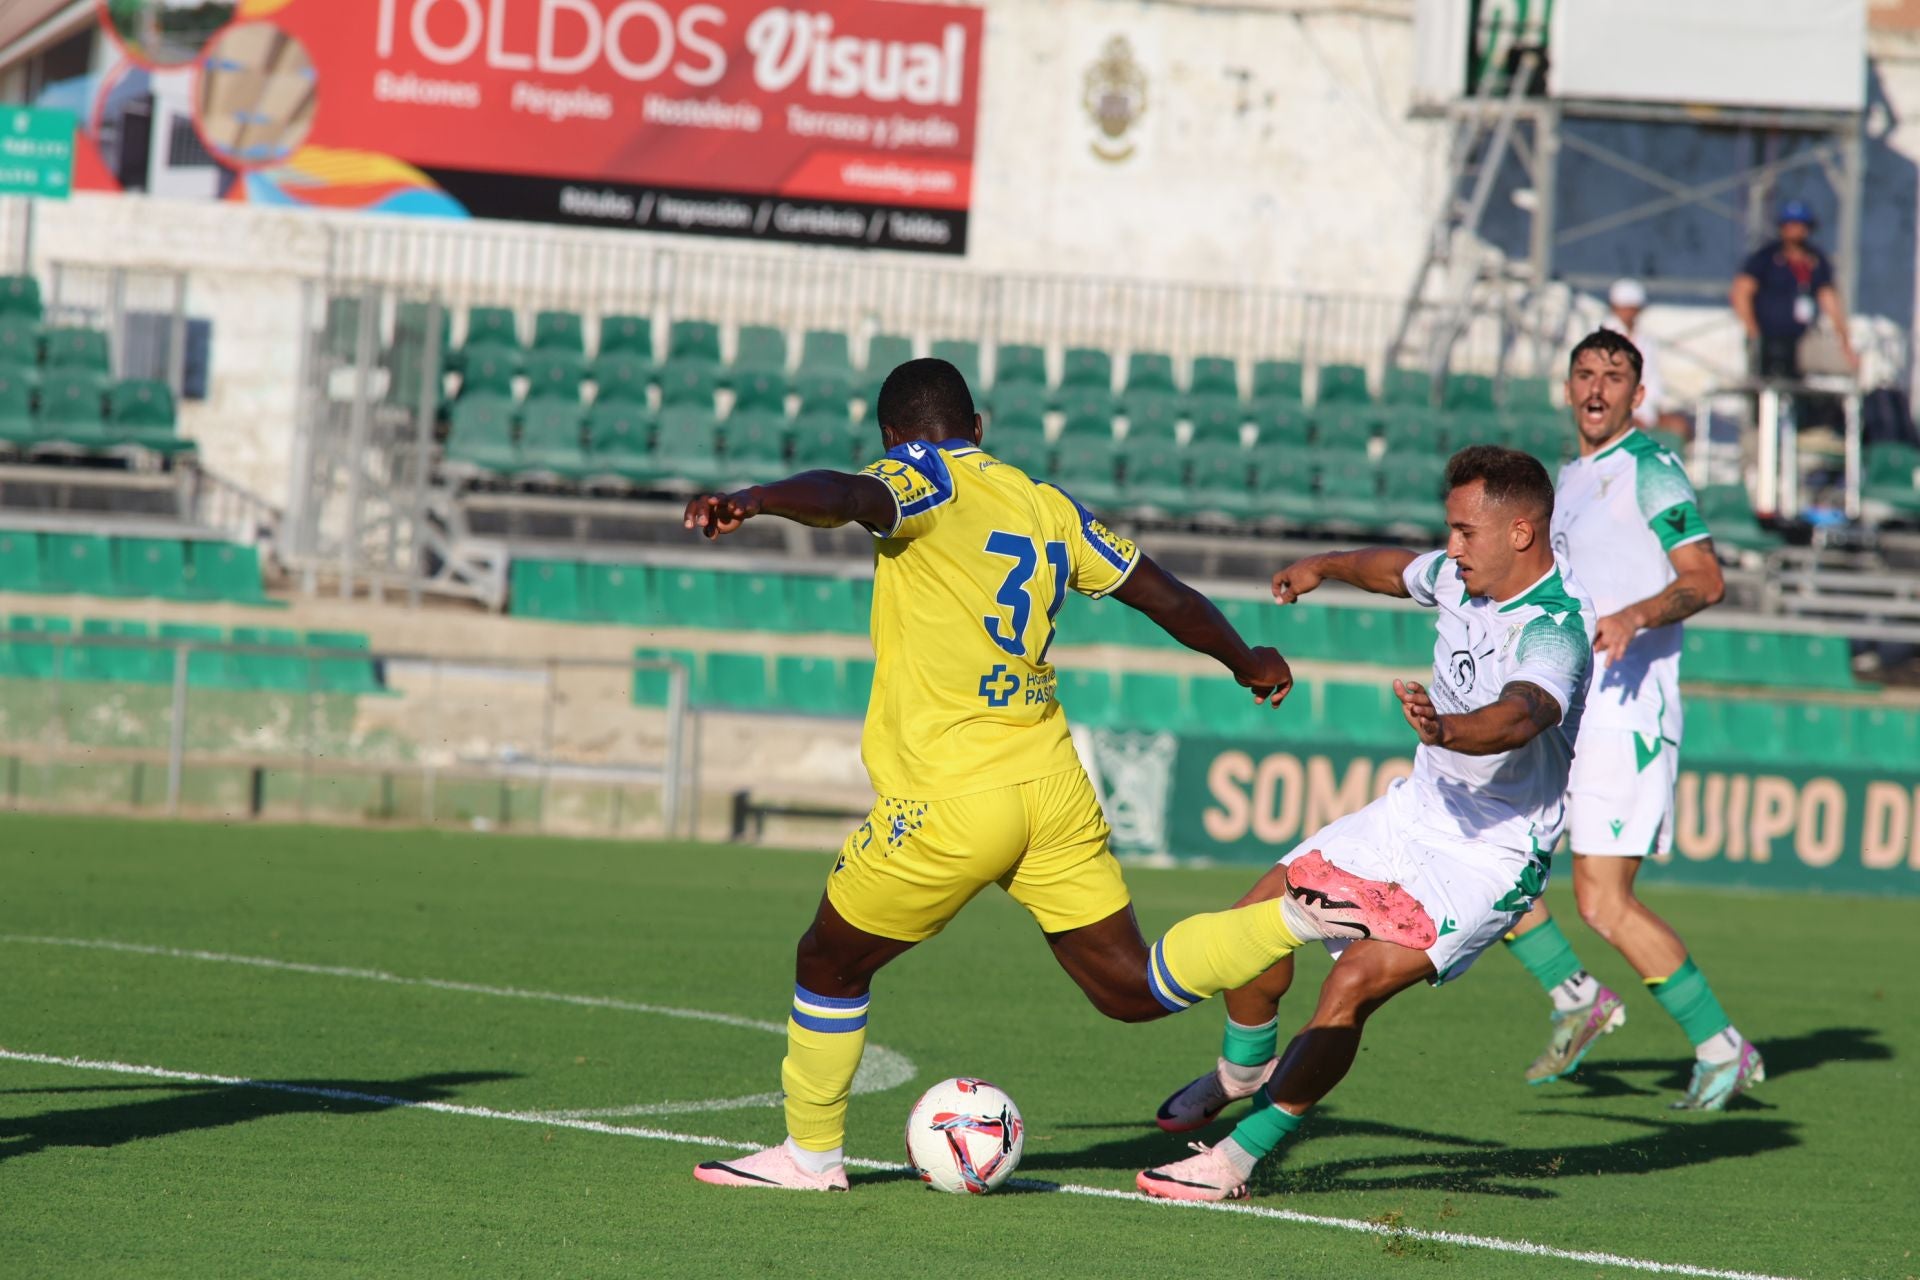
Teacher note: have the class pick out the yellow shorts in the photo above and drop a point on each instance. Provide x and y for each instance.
(911, 866)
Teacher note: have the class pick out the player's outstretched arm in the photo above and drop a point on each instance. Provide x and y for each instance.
(1697, 585)
(1195, 622)
(1380, 570)
(1521, 712)
(823, 499)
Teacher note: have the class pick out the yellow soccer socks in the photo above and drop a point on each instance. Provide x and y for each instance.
(1207, 954)
(825, 1037)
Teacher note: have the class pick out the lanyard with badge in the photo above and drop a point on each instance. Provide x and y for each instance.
(1803, 300)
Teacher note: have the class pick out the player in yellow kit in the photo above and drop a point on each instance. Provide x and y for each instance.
(977, 779)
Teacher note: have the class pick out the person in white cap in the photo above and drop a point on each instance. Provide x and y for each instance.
(1625, 300)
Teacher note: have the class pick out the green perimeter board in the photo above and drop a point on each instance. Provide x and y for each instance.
(36, 152)
(1760, 826)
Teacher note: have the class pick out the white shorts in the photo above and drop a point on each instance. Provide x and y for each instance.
(1473, 890)
(1620, 794)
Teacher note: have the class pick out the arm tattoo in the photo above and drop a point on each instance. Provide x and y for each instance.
(1680, 601)
(1542, 710)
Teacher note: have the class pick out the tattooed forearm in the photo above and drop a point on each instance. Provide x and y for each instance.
(1512, 720)
(1680, 601)
(1542, 711)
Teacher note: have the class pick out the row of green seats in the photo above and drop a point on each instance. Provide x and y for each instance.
(1790, 733)
(99, 565)
(20, 298)
(758, 682)
(65, 656)
(75, 407)
(1785, 660)
(25, 346)
(1893, 478)
(644, 595)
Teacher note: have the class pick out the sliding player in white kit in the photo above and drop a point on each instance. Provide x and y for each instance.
(1469, 835)
(1625, 517)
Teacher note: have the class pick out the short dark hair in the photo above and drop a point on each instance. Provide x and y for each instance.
(1609, 342)
(1511, 477)
(928, 398)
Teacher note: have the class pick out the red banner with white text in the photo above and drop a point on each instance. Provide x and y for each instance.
(839, 121)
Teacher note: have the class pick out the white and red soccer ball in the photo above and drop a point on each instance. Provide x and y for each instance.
(964, 1135)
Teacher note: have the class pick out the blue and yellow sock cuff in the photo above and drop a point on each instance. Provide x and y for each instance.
(1172, 996)
(829, 1013)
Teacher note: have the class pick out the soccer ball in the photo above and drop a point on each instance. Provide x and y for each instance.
(964, 1135)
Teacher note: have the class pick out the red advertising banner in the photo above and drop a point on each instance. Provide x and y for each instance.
(837, 121)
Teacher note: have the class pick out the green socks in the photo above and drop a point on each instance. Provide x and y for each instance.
(1546, 953)
(1265, 1129)
(1250, 1046)
(1685, 994)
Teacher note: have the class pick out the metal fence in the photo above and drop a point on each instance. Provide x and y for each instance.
(180, 725)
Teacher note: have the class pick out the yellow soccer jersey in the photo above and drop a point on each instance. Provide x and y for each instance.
(966, 586)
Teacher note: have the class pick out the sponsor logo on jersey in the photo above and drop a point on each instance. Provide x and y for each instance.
(999, 685)
(1461, 668)
(1618, 826)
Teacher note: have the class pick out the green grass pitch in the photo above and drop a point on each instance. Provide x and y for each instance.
(1433, 1135)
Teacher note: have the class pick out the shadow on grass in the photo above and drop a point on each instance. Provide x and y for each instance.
(1602, 1077)
(186, 1107)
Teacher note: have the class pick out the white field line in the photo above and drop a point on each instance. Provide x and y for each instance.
(1523, 1247)
(880, 1069)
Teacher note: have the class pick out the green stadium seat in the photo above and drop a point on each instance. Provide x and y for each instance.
(1758, 731)
(20, 296)
(1088, 467)
(859, 683)
(552, 439)
(207, 667)
(1023, 448)
(1019, 363)
(829, 605)
(1362, 713)
(759, 387)
(76, 348)
(697, 341)
(1153, 702)
(1409, 430)
(692, 598)
(1413, 639)
(684, 382)
(958, 352)
(756, 441)
(1222, 479)
(1350, 489)
(1278, 422)
(1710, 654)
(1468, 391)
(1217, 419)
(1886, 737)
(625, 335)
(39, 660)
(225, 571)
(546, 589)
(20, 560)
(490, 328)
(1083, 411)
(620, 441)
(482, 432)
(285, 670)
(734, 682)
(19, 343)
(758, 602)
(488, 371)
(651, 685)
(1283, 481)
(809, 684)
(1087, 697)
(621, 378)
(119, 664)
(1341, 384)
(688, 445)
(72, 407)
(1455, 431)
(1303, 631)
(1155, 476)
(1152, 415)
(1023, 407)
(1150, 371)
(1363, 634)
(143, 404)
(555, 374)
(824, 390)
(17, 423)
(1816, 662)
(1760, 657)
(406, 359)
(760, 346)
(888, 351)
(345, 675)
(562, 331)
(1531, 395)
(77, 564)
(825, 350)
(1220, 376)
(830, 441)
(1549, 443)
(1285, 381)
(152, 567)
(1407, 386)
(621, 593)
(1413, 481)
(1222, 708)
(1087, 367)
(1729, 513)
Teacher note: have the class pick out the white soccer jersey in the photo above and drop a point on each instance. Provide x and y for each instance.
(1542, 636)
(1616, 516)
